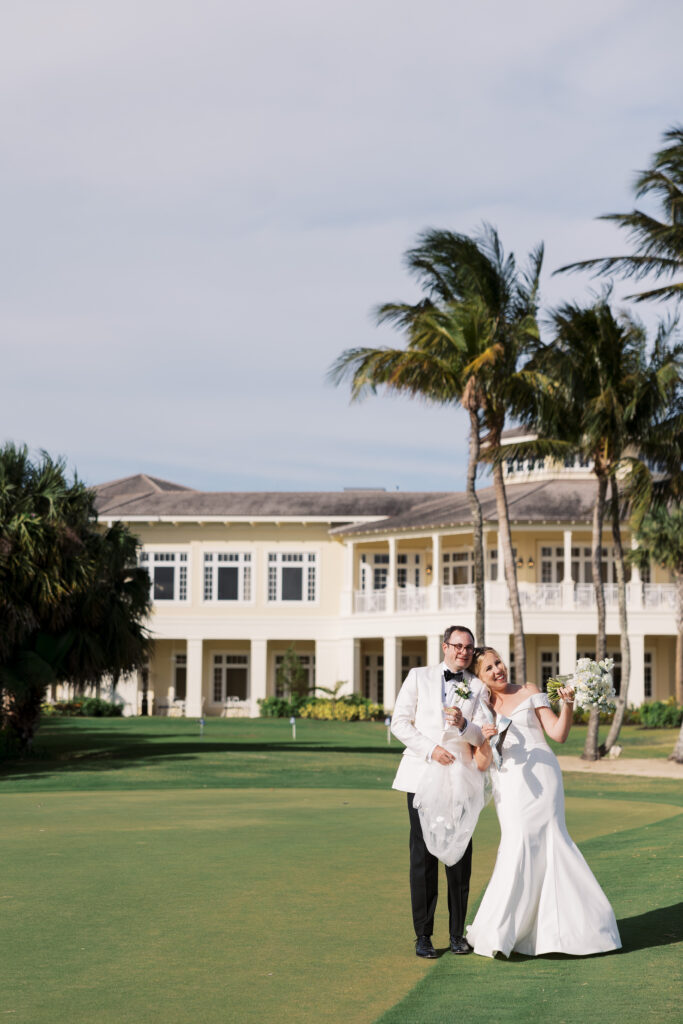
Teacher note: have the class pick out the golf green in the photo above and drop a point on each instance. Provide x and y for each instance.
(174, 905)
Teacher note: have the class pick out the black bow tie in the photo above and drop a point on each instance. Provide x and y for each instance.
(448, 675)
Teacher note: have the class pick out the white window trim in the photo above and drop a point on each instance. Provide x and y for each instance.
(277, 601)
(150, 550)
(241, 564)
(212, 665)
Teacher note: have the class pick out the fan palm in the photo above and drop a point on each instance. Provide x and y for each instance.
(658, 244)
(464, 340)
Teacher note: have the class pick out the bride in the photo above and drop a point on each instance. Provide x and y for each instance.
(542, 897)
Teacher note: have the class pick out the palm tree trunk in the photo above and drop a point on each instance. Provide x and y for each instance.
(679, 637)
(677, 752)
(590, 750)
(510, 571)
(477, 530)
(618, 719)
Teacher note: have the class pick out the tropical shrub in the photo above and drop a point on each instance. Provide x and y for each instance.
(661, 714)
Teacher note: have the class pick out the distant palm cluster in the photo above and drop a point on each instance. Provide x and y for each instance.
(591, 385)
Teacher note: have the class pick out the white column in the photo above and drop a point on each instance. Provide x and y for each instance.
(392, 667)
(391, 581)
(434, 651)
(327, 664)
(500, 643)
(194, 699)
(347, 592)
(434, 597)
(567, 582)
(258, 674)
(349, 664)
(567, 653)
(635, 587)
(636, 687)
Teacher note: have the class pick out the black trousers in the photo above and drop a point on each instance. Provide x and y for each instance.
(424, 881)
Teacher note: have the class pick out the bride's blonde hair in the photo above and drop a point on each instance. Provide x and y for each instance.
(477, 655)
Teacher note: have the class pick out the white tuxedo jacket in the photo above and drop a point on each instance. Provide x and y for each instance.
(418, 722)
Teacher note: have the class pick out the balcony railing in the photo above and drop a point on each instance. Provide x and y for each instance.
(458, 596)
(369, 602)
(584, 596)
(533, 596)
(541, 595)
(412, 599)
(659, 595)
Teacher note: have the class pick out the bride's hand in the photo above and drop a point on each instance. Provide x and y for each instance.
(489, 731)
(566, 694)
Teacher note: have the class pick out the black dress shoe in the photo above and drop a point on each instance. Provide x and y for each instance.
(423, 947)
(460, 944)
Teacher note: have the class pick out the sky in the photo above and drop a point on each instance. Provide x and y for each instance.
(203, 201)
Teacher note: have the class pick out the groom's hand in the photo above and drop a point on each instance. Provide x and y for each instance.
(441, 755)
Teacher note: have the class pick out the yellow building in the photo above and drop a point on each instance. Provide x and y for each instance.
(363, 583)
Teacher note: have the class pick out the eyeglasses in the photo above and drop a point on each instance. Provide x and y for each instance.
(468, 648)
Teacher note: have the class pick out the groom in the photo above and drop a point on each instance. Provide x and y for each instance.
(419, 722)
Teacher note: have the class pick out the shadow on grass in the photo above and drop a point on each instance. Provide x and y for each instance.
(70, 746)
(660, 927)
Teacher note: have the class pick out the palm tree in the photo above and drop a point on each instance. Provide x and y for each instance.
(660, 540)
(464, 338)
(72, 601)
(658, 244)
(604, 392)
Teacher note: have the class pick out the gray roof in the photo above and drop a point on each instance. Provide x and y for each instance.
(146, 497)
(535, 502)
(549, 501)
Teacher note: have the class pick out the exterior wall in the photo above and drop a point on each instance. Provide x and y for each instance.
(393, 626)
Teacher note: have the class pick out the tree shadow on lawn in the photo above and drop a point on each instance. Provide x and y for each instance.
(109, 750)
(659, 927)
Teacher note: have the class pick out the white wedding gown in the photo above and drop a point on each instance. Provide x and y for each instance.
(542, 897)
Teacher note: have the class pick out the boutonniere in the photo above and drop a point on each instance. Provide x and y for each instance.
(463, 691)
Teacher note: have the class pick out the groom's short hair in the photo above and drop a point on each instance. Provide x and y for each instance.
(457, 629)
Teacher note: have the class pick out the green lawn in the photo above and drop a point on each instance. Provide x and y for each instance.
(150, 875)
(112, 753)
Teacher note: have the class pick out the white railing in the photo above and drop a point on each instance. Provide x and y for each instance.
(541, 595)
(533, 596)
(412, 599)
(369, 602)
(659, 595)
(458, 596)
(584, 595)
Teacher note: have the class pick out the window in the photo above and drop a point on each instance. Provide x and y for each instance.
(168, 574)
(308, 665)
(227, 576)
(179, 676)
(492, 564)
(230, 677)
(408, 570)
(552, 564)
(550, 666)
(581, 565)
(457, 568)
(647, 667)
(292, 576)
(380, 573)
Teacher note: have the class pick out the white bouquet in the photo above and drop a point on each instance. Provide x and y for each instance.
(592, 684)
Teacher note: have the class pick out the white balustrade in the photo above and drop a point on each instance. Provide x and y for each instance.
(659, 595)
(369, 602)
(541, 595)
(458, 596)
(413, 599)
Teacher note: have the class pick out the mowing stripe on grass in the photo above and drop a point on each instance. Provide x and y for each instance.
(224, 905)
(641, 982)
